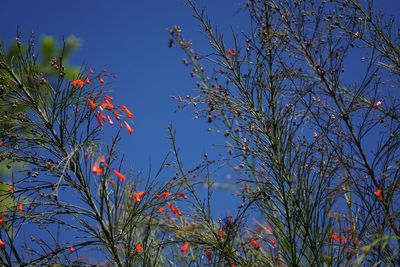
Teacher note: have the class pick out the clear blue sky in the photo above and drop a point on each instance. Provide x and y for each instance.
(130, 38)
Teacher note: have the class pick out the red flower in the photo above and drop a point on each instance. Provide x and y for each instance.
(91, 71)
(104, 70)
(102, 159)
(185, 247)
(129, 114)
(107, 104)
(230, 52)
(119, 175)
(2, 143)
(96, 169)
(272, 241)
(98, 120)
(101, 80)
(161, 209)
(255, 243)
(108, 97)
(20, 207)
(2, 243)
(86, 154)
(110, 121)
(220, 233)
(182, 195)
(1, 219)
(87, 80)
(138, 248)
(92, 104)
(71, 249)
(78, 83)
(163, 195)
(377, 104)
(116, 116)
(379, 194)
(102, 116)
(130, 130)
(137, 196)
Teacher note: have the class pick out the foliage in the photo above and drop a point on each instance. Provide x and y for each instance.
(314, 147)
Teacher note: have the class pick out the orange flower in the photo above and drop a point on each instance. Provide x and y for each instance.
(230, 52)
(98, 120)
(129, 114)
(20, 207)
(161, 209)
(255, 244)
(182, 195)
(91, 71)
(379, 194)
(102, 116)
(107, 104)
(128, 127)
(108, 97)
(185, 247)
(116, 116)
(163, 195)
(138, 248)
(102, 159)
(87, 80)
(119, 175)
(137, 196)
(96, 169)
(101, 80)
(2, 243)
(377, 104)
(78, 83)
(71, 249)
(220, 233)
(92, 104)
(110, 120)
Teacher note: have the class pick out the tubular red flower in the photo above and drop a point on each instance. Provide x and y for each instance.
(1, 219)
(163, 195)
(71, 249)
(255, 243)
(102, 159)
(98, 120)
(91, 71)
(116, 115)
(101, 80)
(102, 116)
(86, 153)
(231, 52)
(272, 241)
(20, 207)
(96, 169)
(185, 247)
(110, 120)
(129, 114)
(108, 97)
(2, 243)
(119, 175)
(128, 127)
(377, 104)
(87, 80)
(379, 194)
(220, 233)
(137, 196)
(78, 83)
(138, 248)
(182, 195)
(92, 104)
(2, 143)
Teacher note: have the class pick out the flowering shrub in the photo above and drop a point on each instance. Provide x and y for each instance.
(299, 140)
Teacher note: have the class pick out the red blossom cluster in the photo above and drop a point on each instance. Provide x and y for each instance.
(105, 105)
